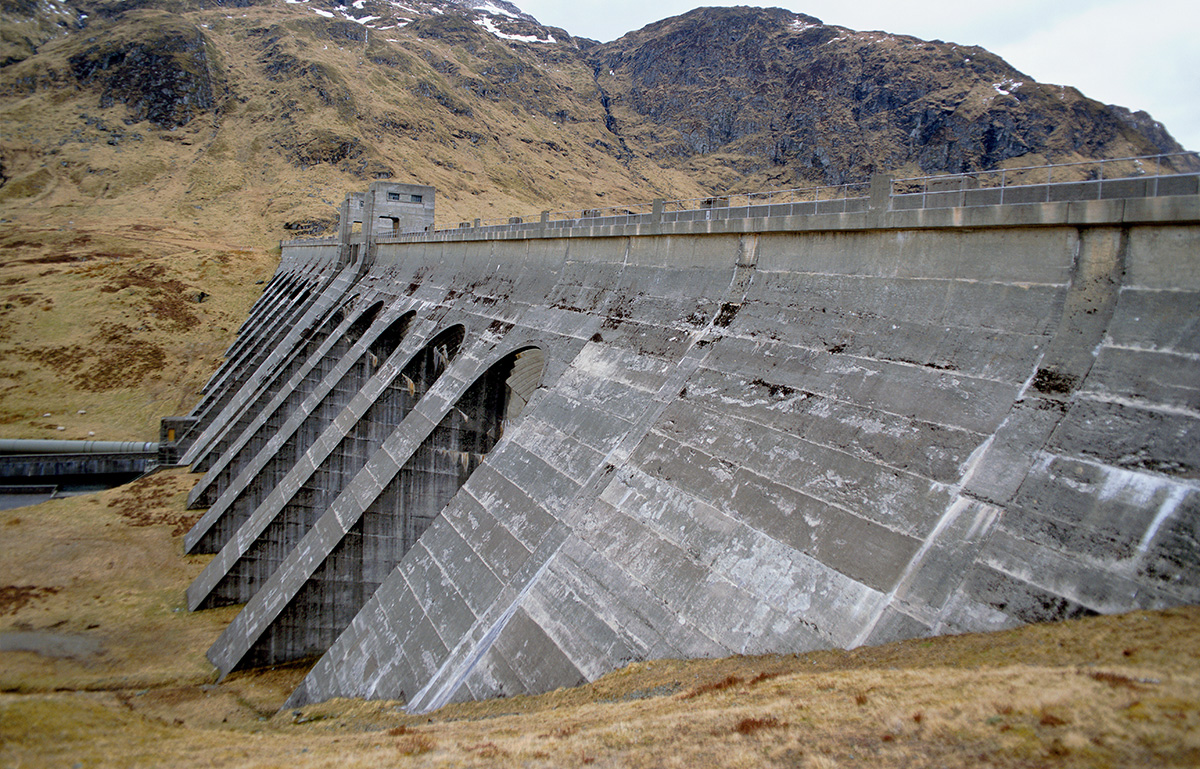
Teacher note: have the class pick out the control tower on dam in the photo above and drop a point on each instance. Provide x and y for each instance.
(507, 457)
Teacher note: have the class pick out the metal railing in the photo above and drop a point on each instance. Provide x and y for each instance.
(835, 194)
(1145, 176)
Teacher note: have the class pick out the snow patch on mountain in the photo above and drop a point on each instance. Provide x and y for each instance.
(490, 26)
(1006, 87)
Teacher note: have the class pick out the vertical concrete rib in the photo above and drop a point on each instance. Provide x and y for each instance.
(306, 371)
(393, 517)
(237, 362)
(291, 376)
(251, 438)
(237, 387)
(250, 522)
(231, 648)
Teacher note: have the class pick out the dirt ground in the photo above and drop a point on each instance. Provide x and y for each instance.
(101, 665)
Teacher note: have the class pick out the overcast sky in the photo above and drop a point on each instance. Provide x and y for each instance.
(1140, 54)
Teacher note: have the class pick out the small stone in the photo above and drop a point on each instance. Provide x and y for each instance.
(82, 411)
(60, 427)
(46, 414)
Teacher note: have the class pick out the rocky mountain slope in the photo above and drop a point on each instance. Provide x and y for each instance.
(261, 116)
(262, 112)
(787, 99)
(186, 137)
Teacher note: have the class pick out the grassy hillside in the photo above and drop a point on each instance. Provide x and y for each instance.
(107, 326)
(271, 114)
(101, 665)
(163, 154)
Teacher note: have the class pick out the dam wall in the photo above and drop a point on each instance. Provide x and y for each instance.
(499, 461)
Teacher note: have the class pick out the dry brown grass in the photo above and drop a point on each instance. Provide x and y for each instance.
(106, 573)
(259, 161)
(108, 230)
(101, 327)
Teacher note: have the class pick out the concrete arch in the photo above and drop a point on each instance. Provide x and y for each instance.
(263, 553)
(270, 447)
(375, 522)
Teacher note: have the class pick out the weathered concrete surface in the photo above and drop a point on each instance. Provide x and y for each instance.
(763, 435)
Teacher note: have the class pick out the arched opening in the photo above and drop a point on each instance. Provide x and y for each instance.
(334, 593)
(364, 321)
(321, 488)
(446, 460)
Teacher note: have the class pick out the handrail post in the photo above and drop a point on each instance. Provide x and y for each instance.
(880, 195)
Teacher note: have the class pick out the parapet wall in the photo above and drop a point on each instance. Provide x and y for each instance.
(747, 437)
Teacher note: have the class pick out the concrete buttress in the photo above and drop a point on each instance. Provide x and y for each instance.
(684, 434)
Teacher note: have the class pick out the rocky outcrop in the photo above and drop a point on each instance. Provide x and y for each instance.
(165, 77)
(27, 24)
(783, 89)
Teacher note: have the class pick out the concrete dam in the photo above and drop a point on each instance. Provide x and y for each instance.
(508, 457)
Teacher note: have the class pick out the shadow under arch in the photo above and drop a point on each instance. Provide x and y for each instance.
(393, 522)
(455, 448)
(317, 492)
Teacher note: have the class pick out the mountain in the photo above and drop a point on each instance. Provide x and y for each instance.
(257, 118)
(161, 148)
(264, 112)
(787, 99)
